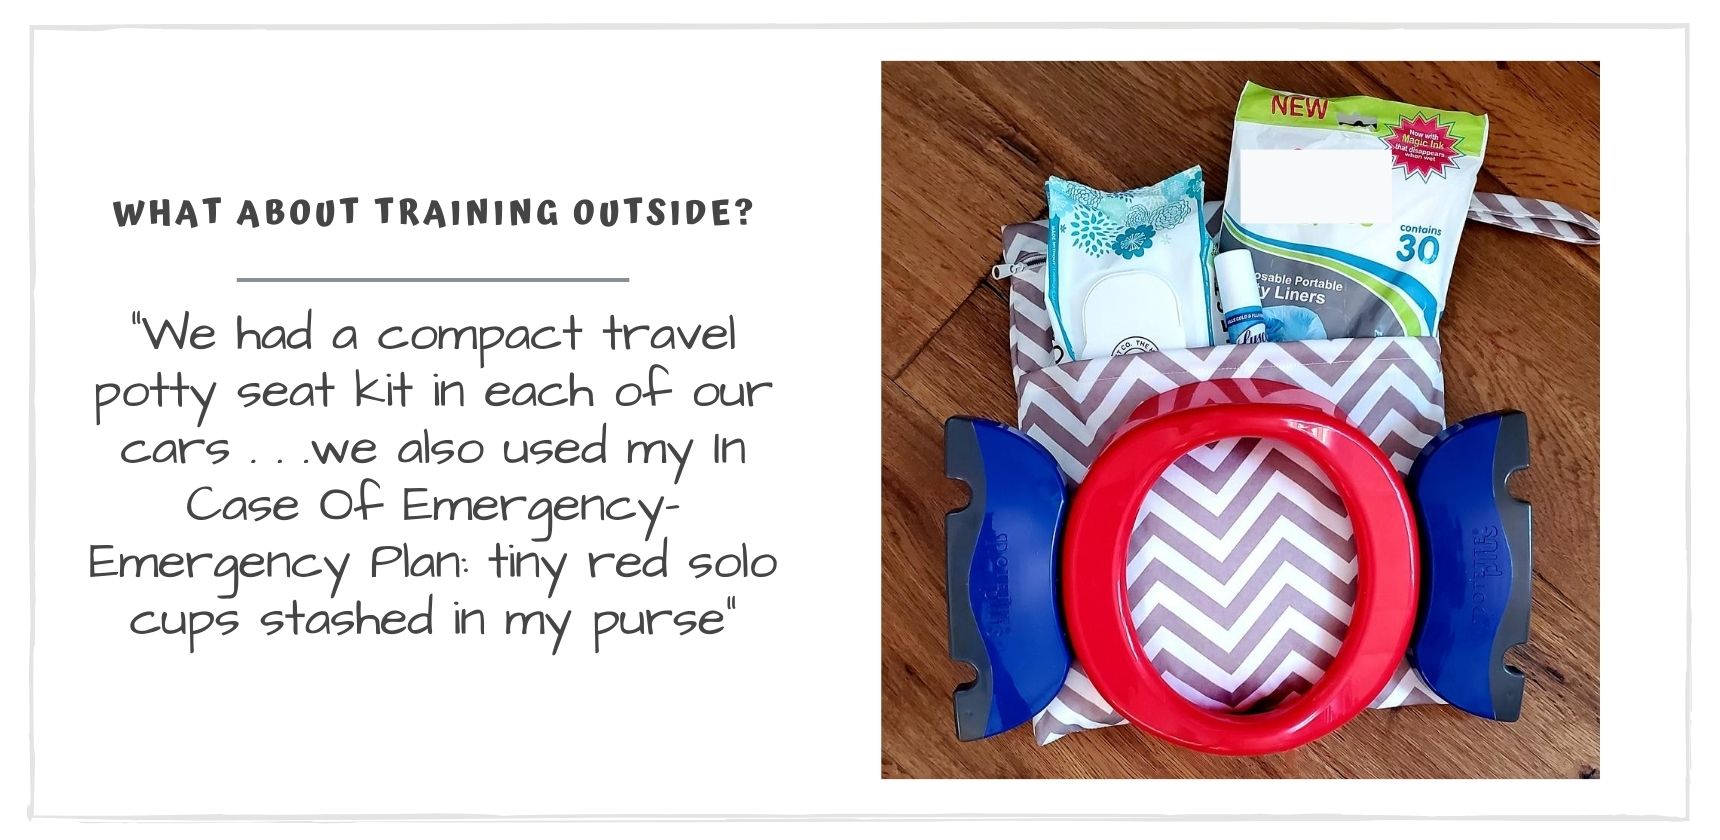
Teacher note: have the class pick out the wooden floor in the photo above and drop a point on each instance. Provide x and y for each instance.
(967, 148)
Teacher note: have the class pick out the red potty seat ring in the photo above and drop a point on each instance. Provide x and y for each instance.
(1096, 603)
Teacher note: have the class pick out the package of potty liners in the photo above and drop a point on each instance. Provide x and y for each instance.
(1357, 280)
(1128, 272)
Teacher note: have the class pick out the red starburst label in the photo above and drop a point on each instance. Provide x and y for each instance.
(1423, 146)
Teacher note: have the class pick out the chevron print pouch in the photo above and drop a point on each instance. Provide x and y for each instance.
(1243, 567)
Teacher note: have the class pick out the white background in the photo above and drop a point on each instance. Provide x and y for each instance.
(790, 119)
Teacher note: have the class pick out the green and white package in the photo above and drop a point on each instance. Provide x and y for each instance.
(1128, 272)
(1357, 280)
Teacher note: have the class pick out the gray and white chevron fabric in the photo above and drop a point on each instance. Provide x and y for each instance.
(1242, 568)
(1542, 218)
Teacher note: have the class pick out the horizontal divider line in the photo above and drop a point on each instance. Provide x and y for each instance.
(433, 279)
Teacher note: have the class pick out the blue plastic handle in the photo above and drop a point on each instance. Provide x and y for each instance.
(1001, 551)
(1476, 563)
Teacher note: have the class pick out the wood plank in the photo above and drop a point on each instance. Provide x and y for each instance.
(1522, 330)
(1127, 124)
(949, 174)
(964, 369)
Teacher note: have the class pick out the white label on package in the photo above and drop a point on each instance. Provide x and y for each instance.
(1312, 186)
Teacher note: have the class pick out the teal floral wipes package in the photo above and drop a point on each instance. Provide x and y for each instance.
(1128, 272)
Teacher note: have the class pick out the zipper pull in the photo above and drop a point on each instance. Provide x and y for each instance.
(1015, 269)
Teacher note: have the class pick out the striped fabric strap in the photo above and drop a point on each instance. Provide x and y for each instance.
(1542, 218)
(1529, 215)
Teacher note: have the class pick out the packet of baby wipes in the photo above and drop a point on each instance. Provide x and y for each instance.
(1320, 279)
(1128, 272)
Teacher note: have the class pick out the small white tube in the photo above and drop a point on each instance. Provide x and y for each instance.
(1239, 295)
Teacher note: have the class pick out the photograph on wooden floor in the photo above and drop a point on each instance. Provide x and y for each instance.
(1208, 451)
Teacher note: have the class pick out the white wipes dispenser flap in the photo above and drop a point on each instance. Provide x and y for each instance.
(1131, 312)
